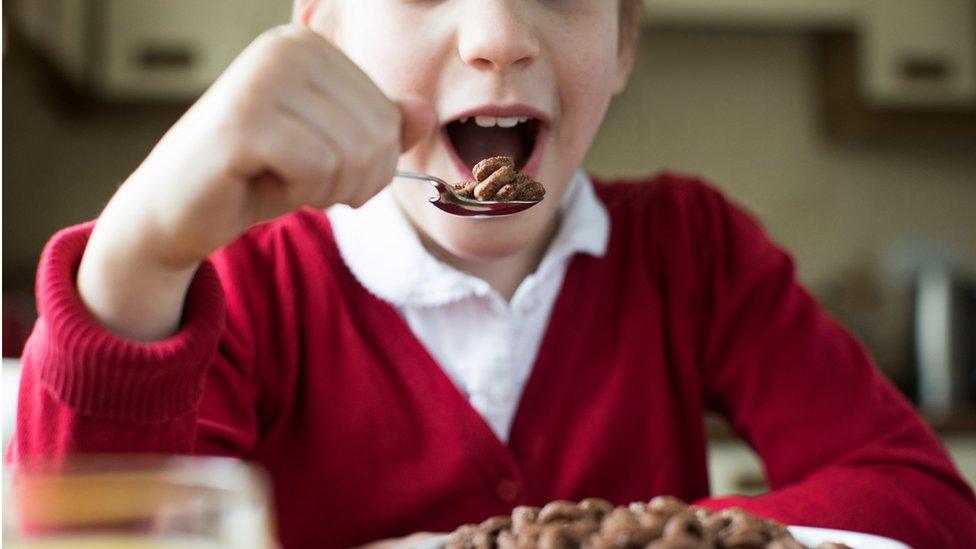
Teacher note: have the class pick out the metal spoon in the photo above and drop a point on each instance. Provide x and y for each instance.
(451, 203)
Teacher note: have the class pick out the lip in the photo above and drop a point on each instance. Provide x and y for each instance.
(501, 111)
(531, 168)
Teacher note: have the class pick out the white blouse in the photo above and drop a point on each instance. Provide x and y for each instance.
(486, 345)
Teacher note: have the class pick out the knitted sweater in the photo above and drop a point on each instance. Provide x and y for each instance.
(284, 359)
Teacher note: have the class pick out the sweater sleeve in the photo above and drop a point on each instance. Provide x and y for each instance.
(842, 448)
(85, 389)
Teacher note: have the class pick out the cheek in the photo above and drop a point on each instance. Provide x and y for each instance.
(386, 43)
(584, 58)
(587, 81)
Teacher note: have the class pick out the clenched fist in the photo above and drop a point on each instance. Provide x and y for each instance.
(291, 123)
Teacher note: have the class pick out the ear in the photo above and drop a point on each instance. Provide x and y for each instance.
(318, 15)
(302, 11)
(630, 23)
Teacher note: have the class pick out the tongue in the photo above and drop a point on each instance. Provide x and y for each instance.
(474, 143)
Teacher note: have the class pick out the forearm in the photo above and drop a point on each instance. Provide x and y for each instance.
(898, 501)
(126, 285)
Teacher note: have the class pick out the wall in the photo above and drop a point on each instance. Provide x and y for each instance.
(60, 166)
(740, 110)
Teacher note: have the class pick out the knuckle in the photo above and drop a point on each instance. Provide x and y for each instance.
(386, 124)
(357, 159)
(389, 139)
(324, 167)
(391, 113)
(269, 41)
(274, 44)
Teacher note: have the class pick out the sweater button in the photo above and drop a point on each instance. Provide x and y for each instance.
(508, 490)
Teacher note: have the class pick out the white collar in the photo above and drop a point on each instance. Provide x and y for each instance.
(383, 252)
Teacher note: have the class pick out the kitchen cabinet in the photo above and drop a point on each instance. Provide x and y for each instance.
(160, 48)
(902, 69)
(911, 53)
(144, 50)
(918, 52)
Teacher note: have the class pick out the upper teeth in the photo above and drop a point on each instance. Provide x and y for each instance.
(492, 121)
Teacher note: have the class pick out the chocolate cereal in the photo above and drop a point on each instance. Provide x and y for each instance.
(496, 178)
(594, 523)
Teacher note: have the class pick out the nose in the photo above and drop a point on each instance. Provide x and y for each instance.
(496, 35)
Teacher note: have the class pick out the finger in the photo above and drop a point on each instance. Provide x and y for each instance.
(303, 159)
(326, 64)
(418, 120)
(380, 175)
(357, 147)
(368, 144)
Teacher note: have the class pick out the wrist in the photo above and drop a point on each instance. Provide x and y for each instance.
(128, 286)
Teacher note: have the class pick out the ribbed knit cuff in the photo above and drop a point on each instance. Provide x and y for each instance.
(97, 372)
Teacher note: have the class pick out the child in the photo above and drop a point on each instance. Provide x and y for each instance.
(397, 369)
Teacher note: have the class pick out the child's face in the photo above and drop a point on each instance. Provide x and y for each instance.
(557, 62)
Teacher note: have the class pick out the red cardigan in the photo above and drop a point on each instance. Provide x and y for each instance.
(285, 360)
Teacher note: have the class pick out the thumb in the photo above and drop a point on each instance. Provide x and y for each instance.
(418, 120)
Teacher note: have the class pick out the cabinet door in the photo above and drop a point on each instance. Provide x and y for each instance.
(919, 53)
(174, 49)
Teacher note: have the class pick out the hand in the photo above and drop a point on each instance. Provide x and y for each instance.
(291, 123)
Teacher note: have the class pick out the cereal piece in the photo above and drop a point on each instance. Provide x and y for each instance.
(653, 523)
(487, 188)
(532, 191)
(776, 529)
(785, 543)
(596, 507)
(684, 528)
(580, 530)
(639, 508)
(833, 545)
(528, 537)
(743, 530)
(507, 193)
(489, 166)
(667, 505)
(553, 537)
(482, 540)
(523, 516)
(715, 523)
(560, 510)
(463, 537)
(507, 540)
(676, 544)
(622, 528)
(596, 541)
(465, 188)
(494, 525)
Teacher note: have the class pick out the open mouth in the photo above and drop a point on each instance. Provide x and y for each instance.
(472, 139)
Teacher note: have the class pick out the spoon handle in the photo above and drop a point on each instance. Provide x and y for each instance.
(438, 184)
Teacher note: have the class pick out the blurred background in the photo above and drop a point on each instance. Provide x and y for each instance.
(847, 126)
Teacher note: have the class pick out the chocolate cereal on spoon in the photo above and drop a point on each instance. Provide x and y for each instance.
(496, 179)
(498, 190)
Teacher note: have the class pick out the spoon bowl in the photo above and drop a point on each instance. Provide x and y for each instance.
(448, 201)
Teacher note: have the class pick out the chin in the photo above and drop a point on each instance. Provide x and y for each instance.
(487, 239)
